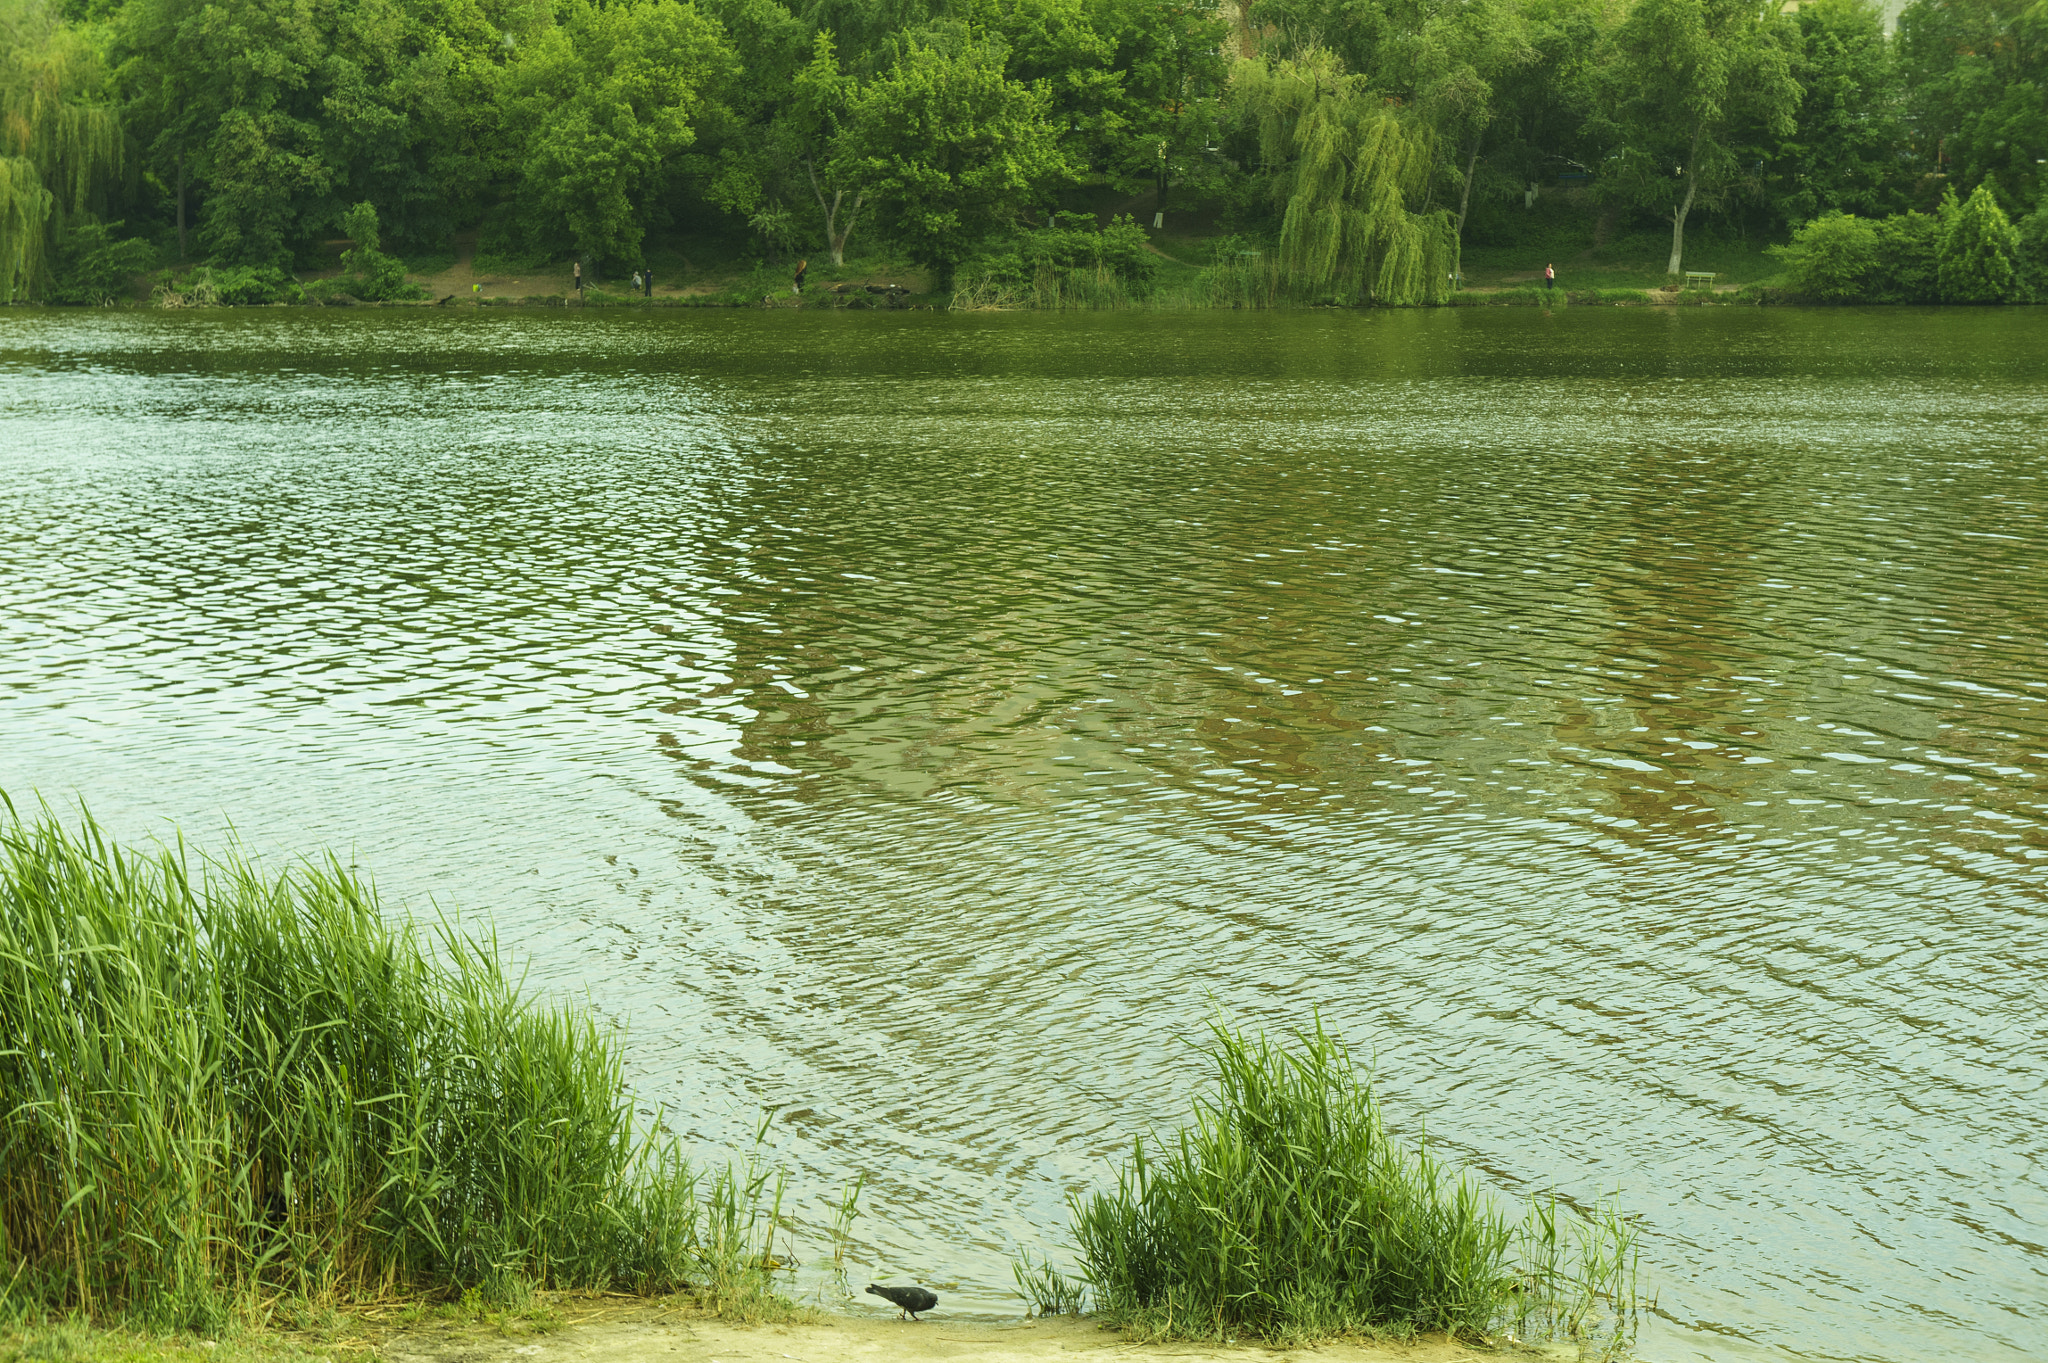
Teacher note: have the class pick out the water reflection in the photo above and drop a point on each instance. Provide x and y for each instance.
(1630, 725)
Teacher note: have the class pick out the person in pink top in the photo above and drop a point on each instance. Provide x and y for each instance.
(1550, 276)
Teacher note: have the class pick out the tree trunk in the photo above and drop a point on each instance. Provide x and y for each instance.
(835, 237)
(1464, 204)
(181, 208)
(1679, 214)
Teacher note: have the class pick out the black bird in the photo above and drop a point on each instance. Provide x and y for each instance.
(911, 1299)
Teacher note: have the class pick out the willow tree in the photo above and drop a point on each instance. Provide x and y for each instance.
(60, 140)
(1349, 163)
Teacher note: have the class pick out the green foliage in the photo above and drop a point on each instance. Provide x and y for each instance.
(1044, 1288)
(1286, 1212)
(605, 104)
(1976, 76)
(1363, 141)
(2031, 271)
(1908, 250)
(227, 286)
(93, 267)
(1844, 154)
(1836, 258)
(60, 138)
(1353, 165)
(1242, 273)
(1967, 253)
(24, 218)
(1683, 80)
(1148, 107)
(1979, 250)
(219, 1083)
(1068, 265)
(366, 272)
(954, 146)
(776, 227)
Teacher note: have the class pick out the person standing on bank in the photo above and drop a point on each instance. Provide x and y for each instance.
(646, 282)
(576, 273)
(796, 286)
(1549, 277)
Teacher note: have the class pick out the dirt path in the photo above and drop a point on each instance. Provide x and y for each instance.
(654, 1335)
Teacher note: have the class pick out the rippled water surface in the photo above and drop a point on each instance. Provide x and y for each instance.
(1630, 724)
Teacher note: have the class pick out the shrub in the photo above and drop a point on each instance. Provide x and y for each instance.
(2031, 268)
(1286, 1212)
(1908, 259)
(227, 285)
(1834, 258)
(366, 272)
(1978, 252)
(93, 268)
(219, 1084)
(1069, 264)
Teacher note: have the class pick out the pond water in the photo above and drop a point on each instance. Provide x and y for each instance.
(1630, 725)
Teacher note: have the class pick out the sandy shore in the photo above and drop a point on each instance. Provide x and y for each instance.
(652, 1335)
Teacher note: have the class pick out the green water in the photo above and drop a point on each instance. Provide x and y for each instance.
(1628, 722)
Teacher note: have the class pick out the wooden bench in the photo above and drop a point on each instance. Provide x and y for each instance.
(1700, 279)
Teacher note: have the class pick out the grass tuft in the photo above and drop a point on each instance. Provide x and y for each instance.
(1285, 1212)
(222, 1088)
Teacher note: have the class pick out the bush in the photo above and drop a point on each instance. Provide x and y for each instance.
(217, 1084)
(1834, 258)
(1908, 260)
(1839, 258)
(1069, 264)
(93, 268)
(366, 272)
(1286, 1213)
(2031, 269)
(1242, 273)
(1978, 251)
(227, 285)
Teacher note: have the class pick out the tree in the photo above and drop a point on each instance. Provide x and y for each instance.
(1160, 91)
(1844, 155)
(1543, 107)
(1908, 253)
(1347, 166)
(1446, 62)
(1978, 251)
(608, 101)
(821, 95)
(60, 138)
(367, 272)
(1976, 73)
(256, 63)
(1681, 78)
(953, 145)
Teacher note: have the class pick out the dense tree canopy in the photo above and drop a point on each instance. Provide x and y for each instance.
(1351, 139)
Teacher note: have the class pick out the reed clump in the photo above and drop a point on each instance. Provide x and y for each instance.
(1286, 1212)
(221, 1086)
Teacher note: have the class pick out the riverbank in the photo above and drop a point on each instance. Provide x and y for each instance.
(658, 1330)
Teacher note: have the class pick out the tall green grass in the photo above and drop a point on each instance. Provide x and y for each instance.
(220, 1086)
(1286, 1212)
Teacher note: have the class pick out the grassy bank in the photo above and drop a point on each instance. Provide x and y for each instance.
(1286, 1212)
(223, 1088)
